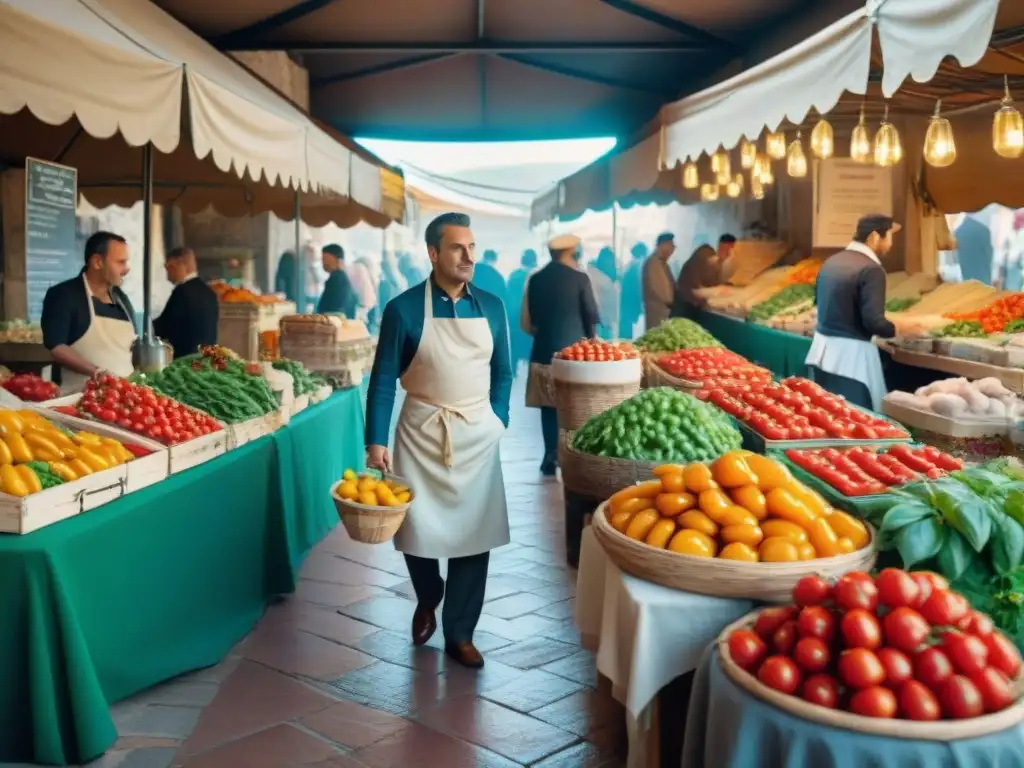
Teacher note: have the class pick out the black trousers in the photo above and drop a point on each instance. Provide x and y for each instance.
(549, 428)
(463, 595)
(854, 391)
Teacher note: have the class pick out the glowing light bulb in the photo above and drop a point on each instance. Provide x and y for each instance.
(691, 178)
(860, 141)
(748, 153)
(888, 149)
(939, 144)
(720, 166)
(1008, 127)
(775, 145)
(796, 160)
(823, 143)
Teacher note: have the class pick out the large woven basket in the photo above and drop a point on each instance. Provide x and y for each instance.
(940, 730)
(598, 477)
(577, 402)
(659, 377)
(770, 582)
(366, 524)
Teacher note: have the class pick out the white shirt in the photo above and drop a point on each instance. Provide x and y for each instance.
(189, 276)
(851, 358)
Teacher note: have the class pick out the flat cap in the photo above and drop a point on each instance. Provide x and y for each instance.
(564, 243)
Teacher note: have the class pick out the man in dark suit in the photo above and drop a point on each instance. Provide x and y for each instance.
(189, 319)
(339, 296)
(850, 298)
(559, 309)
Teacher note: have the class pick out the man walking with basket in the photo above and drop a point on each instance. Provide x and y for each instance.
(448, 344)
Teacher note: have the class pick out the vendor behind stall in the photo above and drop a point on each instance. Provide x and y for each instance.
(706, 268)
(189, 319)
(850, 296)
(88, 322)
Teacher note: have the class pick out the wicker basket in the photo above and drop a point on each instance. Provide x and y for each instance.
(598, 477)
(659, 377)
(315, 345)
(771, 582)
(941, 730)
(577, 403)
(370, 525)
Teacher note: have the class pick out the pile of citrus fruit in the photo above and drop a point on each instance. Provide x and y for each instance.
(742, 506)
(371, 491)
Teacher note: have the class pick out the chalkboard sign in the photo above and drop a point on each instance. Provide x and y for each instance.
(51, 245)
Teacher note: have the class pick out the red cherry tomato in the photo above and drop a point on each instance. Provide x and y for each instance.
(896, 588)
(944, 608)
(811, 654)
(860, 629)
(917, 702)
(784, 638)
(747, 649)
(1002, 654)
(933, 668)
(905, 629)
(860, 668)
(994, 687)
(960, 698)
(854, 591)
(822, 690)
(811, 590)
(967, 653)
(875, 701)
(897, 665)
(977, 623)
(780, 673)
(770, 619)
(816, 621)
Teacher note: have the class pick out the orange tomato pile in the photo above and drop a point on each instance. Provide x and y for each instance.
(804, 272)
(997, 315)
(597, 351)
(742, 506)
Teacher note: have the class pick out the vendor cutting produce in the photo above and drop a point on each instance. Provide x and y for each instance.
(448, 344)
(558, 310)
(850, 296)
(88, 322)
(706, 268)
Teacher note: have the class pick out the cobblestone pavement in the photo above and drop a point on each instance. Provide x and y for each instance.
(329, 677)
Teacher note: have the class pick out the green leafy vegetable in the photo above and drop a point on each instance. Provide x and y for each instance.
(920, 541)
(955, 556)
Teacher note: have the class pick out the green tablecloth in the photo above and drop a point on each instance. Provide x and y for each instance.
(158, 583)
(780, 352)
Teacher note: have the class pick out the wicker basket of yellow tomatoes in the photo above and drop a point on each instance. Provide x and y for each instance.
(741, 526)
(372, 506)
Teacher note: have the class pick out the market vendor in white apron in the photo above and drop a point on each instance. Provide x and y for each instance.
(447, 342)
(88, 322)
(850, 297)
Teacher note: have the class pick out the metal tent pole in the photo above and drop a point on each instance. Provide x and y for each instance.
(300, 257)
(147, 243)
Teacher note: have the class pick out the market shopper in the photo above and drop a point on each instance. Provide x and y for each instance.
(88, 322)
(659, 283)
(516, 293)
(604, 278)
(189, 319)
(559, 309)
(339, 296)
(850, 298)
(487, 276)
(705, 268)
(447, 342)
(632, 294)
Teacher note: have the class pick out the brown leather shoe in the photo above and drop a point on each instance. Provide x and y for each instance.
(465, 653)
(424, 622)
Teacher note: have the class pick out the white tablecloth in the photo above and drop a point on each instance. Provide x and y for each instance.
(645, 635)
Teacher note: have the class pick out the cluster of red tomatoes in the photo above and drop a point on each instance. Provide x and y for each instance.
(30, 387)
(799, 409)
(144, 412)
(863, 471)
(715, 368)
(597, 351)
(899, 645)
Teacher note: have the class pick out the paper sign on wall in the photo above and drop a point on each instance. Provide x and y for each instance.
(844, 191)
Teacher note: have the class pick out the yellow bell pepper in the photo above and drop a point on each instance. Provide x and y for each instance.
(42, 447)
(5, 454)
(95, 461)
(19, 448)
(10, 422)
(63, 470)
(11, 481)
(87, 438)
(80, 467)
(30, 478)
(54, 435)
(107, 453)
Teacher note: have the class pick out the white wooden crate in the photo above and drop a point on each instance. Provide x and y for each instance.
(195, 452)
(253, 429)
(30, 513)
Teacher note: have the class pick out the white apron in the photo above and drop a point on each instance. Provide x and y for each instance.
(446, 442)
(853, 359)
(107, 344)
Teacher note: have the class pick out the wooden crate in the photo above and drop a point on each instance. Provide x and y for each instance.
(253, 429)
(240, 325)
(30, 513)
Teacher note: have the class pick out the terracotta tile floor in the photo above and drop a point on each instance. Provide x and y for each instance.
(329, 678)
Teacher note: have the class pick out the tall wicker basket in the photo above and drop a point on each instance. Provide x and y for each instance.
(583, 390)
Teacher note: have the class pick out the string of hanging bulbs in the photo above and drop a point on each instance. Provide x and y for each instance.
(884, 149)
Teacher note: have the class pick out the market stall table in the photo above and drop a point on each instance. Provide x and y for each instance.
(645, 636)
(160, 582)
(781, 352)
(729, 728)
